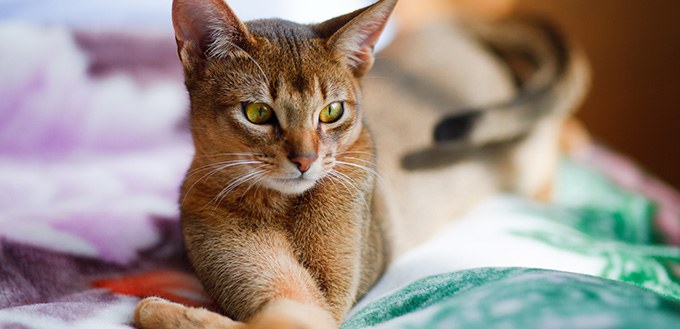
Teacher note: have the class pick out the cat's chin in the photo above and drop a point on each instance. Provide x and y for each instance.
(294, 186)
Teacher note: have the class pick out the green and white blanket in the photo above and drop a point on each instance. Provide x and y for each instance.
(588, 259)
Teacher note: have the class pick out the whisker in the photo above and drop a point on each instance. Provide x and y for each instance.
(329, 177)
(230, 154)
(233, 185)
(258, 183)
(352, 183)
(367, 169)
(332, 174)
(260, 177)
(221, 167)
(218, 164)
(371, 171)
(371, 163)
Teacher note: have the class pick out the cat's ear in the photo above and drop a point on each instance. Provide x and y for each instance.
(205, 29)
(354, 35)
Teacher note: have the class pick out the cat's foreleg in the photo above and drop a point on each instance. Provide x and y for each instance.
(156, 313)
(254, 276)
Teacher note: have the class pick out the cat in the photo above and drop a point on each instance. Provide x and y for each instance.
(286, 220)
(278, 210)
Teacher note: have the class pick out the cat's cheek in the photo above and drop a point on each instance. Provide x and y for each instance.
(338, 140)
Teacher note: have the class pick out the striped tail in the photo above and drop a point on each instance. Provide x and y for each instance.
(552, 77)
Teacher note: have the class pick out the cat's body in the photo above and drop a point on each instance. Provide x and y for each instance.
(300, 231)
(284, 218)
(510, 113)
(277, 207)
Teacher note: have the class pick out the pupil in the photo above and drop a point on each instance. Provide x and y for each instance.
(260, 111)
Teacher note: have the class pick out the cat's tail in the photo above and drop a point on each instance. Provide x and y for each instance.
(552, 77)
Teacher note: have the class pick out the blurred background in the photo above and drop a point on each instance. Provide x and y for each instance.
(634, 50)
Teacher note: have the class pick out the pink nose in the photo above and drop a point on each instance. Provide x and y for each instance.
(303, 162)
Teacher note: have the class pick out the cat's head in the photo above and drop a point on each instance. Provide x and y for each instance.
(273, 101)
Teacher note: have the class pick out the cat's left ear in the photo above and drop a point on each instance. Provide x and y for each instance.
(354, 35)
(206, 28)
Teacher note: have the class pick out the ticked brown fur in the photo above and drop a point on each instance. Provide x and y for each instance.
(276, 243)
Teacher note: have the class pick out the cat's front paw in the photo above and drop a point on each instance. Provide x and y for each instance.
(157, 313)
(288, 314)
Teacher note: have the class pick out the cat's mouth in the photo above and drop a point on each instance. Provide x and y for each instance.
(295, 180)
(293, 185)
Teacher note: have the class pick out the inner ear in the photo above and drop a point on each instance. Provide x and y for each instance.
(206, 28)
(357, 33)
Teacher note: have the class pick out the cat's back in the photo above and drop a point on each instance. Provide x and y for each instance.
(441, 71)
(416, 80)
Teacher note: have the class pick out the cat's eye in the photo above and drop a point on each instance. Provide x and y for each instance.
(332, 112)
(258, 113)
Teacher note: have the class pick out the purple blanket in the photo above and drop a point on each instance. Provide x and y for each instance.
(93, 145)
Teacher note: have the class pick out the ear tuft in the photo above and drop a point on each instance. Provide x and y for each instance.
(358, 32)
(205, 29)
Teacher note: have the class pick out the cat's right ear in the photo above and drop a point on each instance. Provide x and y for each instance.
(206, 29)
(354, 35)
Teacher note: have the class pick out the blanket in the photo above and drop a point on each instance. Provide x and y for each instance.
(93, 145)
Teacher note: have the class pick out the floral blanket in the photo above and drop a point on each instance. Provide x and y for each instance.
(93, 145)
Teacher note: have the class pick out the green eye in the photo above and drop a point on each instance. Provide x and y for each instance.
(332, 112)
(258, 113)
